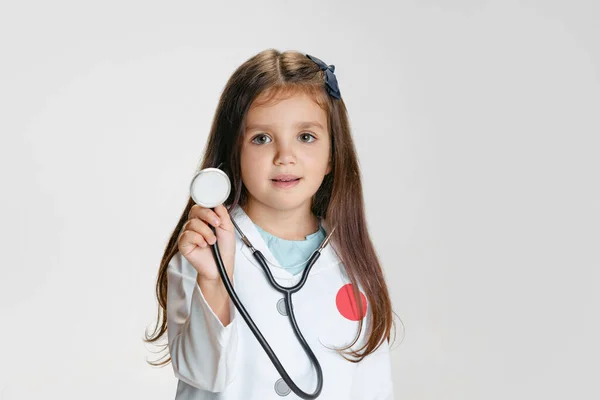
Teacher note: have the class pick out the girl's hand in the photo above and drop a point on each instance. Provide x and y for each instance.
(196, 236)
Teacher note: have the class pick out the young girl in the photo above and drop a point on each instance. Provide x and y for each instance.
(281, 133)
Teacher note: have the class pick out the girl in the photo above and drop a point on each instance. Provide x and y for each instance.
(282, 135)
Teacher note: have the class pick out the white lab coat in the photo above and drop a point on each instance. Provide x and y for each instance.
(216, 362)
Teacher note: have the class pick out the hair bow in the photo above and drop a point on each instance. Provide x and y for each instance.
(330, 79)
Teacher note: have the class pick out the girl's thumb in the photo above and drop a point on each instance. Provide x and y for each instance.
(225, 220)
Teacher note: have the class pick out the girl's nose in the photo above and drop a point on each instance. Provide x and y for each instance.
(285, 154)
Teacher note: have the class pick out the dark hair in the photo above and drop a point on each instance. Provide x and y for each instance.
(272, 74)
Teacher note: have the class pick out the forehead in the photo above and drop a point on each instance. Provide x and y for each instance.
(295, 109)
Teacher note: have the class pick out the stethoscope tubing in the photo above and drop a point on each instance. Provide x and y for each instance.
(287, 292)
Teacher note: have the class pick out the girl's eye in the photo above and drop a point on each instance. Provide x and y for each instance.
(308, 135)
(259, 137)
(263, 139)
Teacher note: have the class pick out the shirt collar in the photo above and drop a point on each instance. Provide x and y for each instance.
(328, 256)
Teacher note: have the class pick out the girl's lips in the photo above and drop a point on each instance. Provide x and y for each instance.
(284, 184)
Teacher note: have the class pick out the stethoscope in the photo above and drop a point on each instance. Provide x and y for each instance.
(211, 187)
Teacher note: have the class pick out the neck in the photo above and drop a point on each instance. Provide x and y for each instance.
(288, 224)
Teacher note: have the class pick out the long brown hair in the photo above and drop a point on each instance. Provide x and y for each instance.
(339, 199)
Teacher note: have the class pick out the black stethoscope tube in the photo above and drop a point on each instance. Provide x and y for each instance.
(287, 292)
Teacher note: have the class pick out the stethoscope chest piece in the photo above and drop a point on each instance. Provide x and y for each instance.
(210, 187)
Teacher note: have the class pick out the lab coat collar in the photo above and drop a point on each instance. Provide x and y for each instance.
(329, 256)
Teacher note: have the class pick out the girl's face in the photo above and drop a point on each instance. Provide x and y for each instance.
(286, 136)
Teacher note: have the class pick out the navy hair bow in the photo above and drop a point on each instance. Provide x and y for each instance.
(330, 79)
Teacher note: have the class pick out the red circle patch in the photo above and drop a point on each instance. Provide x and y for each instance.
(346, 304)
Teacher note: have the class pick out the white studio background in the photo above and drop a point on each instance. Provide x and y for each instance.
(476, 124)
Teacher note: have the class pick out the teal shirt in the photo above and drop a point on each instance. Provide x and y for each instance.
(293, 255)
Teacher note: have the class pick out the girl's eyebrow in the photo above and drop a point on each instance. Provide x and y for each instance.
(299, 125)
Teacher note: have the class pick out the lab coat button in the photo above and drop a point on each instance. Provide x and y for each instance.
(281, 307)
(281, 388)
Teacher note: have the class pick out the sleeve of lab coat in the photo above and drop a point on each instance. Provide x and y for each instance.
(202, 350)
(373, 376)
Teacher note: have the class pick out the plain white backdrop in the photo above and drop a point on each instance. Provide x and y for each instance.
(476, 125)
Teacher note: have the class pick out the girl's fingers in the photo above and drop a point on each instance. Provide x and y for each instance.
(190, 239)
(219, 217)
(205, 214)
(203, 229)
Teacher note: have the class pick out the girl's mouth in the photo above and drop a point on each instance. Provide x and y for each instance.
(285, 184)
